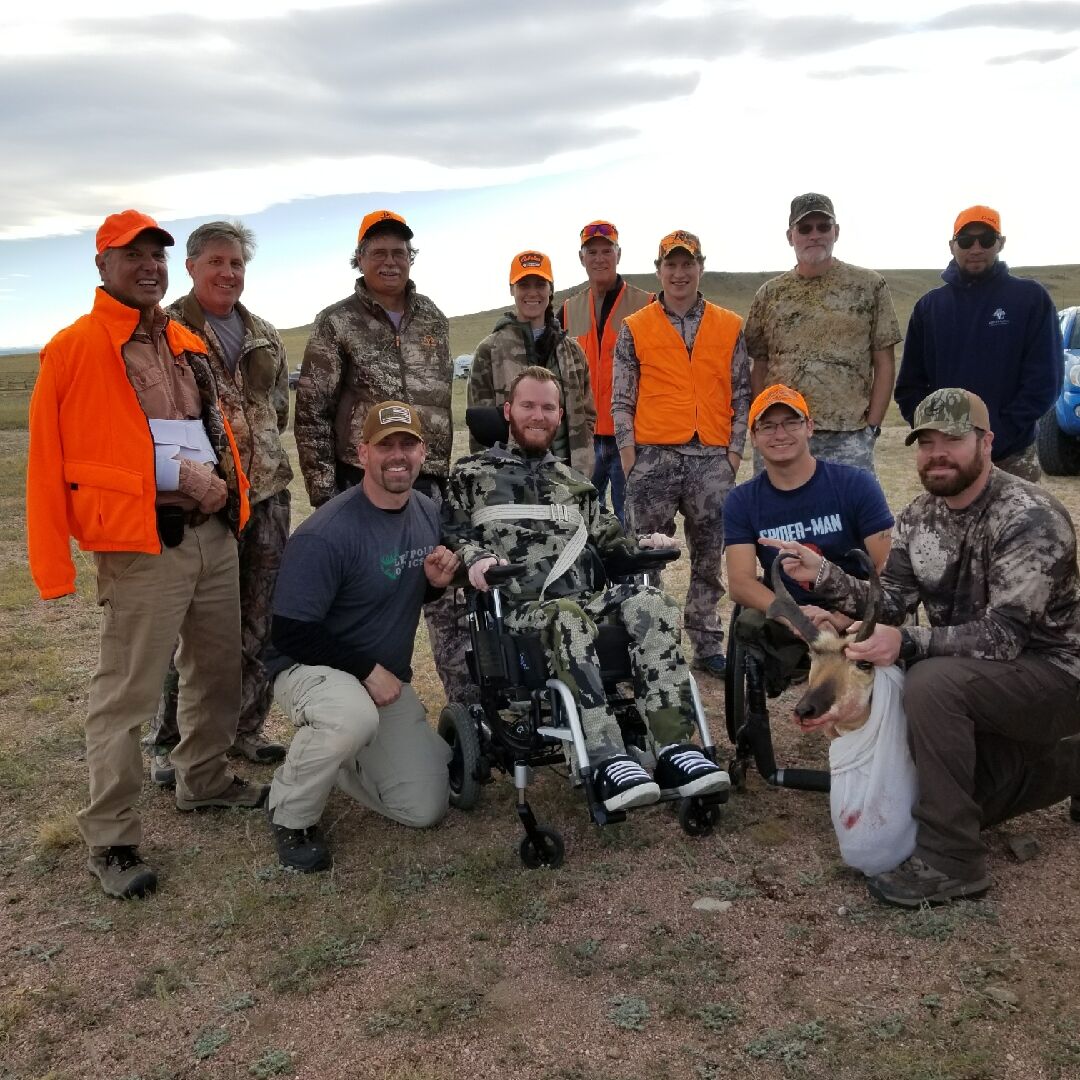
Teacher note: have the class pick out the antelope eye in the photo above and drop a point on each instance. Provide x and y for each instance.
(864, 665)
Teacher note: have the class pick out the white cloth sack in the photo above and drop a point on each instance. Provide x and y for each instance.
(874, 785)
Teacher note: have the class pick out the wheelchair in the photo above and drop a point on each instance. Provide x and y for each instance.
(746, 714)
(527, 719)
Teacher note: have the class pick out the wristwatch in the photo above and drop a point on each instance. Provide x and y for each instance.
(874, 429)
(909, 647)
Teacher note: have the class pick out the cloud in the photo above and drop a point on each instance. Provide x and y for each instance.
(1034, 56)
(858, 72)
(1054, 16)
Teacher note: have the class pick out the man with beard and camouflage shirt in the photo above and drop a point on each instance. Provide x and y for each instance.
(828, 330)
(385, 341)
(679, 400)
(518, 502)
(992, 691)
(251, 370)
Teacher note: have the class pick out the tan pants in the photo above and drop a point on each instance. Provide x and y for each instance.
(192, 592)
(389, 759)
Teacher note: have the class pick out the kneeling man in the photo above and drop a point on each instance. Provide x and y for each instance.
(353, 580)
(992, 691)
(498, 500)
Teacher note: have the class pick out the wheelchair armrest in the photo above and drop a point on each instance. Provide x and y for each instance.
(639, 562)
(496, 575)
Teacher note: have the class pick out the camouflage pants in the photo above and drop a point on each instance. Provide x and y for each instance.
(1024, 463)
(663, 482)
(259, 549)
(661, 677)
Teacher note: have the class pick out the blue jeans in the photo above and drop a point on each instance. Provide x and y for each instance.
(608, 466)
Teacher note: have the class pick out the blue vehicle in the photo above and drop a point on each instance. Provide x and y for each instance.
(1057, 439)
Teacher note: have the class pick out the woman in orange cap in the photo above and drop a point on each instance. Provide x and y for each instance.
(531, 335)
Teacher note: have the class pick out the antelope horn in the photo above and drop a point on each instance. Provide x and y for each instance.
(784, 606)
(873, 597)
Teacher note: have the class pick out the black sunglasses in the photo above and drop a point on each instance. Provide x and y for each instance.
(805, 228)
(985, 239)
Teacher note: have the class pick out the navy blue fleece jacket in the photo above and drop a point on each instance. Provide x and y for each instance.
(996, 335)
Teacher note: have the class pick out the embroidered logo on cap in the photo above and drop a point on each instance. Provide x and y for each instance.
(395, 414)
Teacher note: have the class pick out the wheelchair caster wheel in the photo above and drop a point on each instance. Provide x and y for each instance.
(544, 848)
(698, 818)
(458, 728)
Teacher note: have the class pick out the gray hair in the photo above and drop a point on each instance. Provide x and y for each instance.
(221, 230)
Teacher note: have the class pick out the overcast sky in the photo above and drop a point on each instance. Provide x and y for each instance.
(495, 126)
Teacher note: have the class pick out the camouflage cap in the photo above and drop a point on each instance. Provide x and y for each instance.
(387, 418)
(810, 203)
(680, 238)
(951, 410)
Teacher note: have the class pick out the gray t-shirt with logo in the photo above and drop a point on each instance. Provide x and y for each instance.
(359, 571)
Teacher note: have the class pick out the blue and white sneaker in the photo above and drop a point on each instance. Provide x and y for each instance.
(683, 769)
(621, 783)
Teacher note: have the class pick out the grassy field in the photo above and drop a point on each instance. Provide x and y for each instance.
(434, 956)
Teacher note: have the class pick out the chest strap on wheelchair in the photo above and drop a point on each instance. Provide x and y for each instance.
(569, 515)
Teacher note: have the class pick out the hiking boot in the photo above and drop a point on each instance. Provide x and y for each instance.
(239, 793)
(258, 748)
(684, 769)
(914, 883)
(714, 665)
(621, 783)
(303, 850)
(162, 770)
(122, 872)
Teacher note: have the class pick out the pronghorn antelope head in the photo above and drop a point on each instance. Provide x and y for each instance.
(837, 697)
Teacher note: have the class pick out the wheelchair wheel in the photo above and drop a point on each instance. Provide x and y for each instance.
(458, 728)
(734, 687)
(698, 818)
(544, 848)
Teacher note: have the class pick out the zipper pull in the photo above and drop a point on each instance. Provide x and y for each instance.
(397, 341)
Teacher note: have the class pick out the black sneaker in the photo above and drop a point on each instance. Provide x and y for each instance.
(304, 850)
(122, 872)
(684, 769)
(621, 783)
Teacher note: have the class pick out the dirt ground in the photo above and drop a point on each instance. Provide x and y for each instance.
(435, 955)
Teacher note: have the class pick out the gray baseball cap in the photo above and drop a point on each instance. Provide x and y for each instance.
(810, 203)
(951, 410)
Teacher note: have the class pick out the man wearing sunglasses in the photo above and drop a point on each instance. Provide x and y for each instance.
(828, 330)
(991, 333)
(594, 316)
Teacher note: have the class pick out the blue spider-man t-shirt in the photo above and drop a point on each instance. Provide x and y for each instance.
(833, 512)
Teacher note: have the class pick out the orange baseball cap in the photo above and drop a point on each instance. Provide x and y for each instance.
(118, 230)
(680, 238)
(977, 214)
(377, 217)
(603, 229)
(530, 262)
(778, 394)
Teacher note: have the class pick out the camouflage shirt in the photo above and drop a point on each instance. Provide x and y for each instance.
(354, 359)
(504, 475)
(997, 578)
(818, 336)
(255, 399)
(626, 378)
(508, 349)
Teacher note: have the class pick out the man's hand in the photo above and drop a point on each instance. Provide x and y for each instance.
(627, 457)
(480, 568)
(440, 567)
(821, 618)
(805, 568)
(658, 542)
(383, 686)
(734, 460)
(881, 648)
(216, 495)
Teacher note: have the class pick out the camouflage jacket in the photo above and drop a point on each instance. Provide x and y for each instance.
(997, 579)
(626, 381)
(255, 399)
(818, 336)
(354, 359)
(504, 475)
(506, 351)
